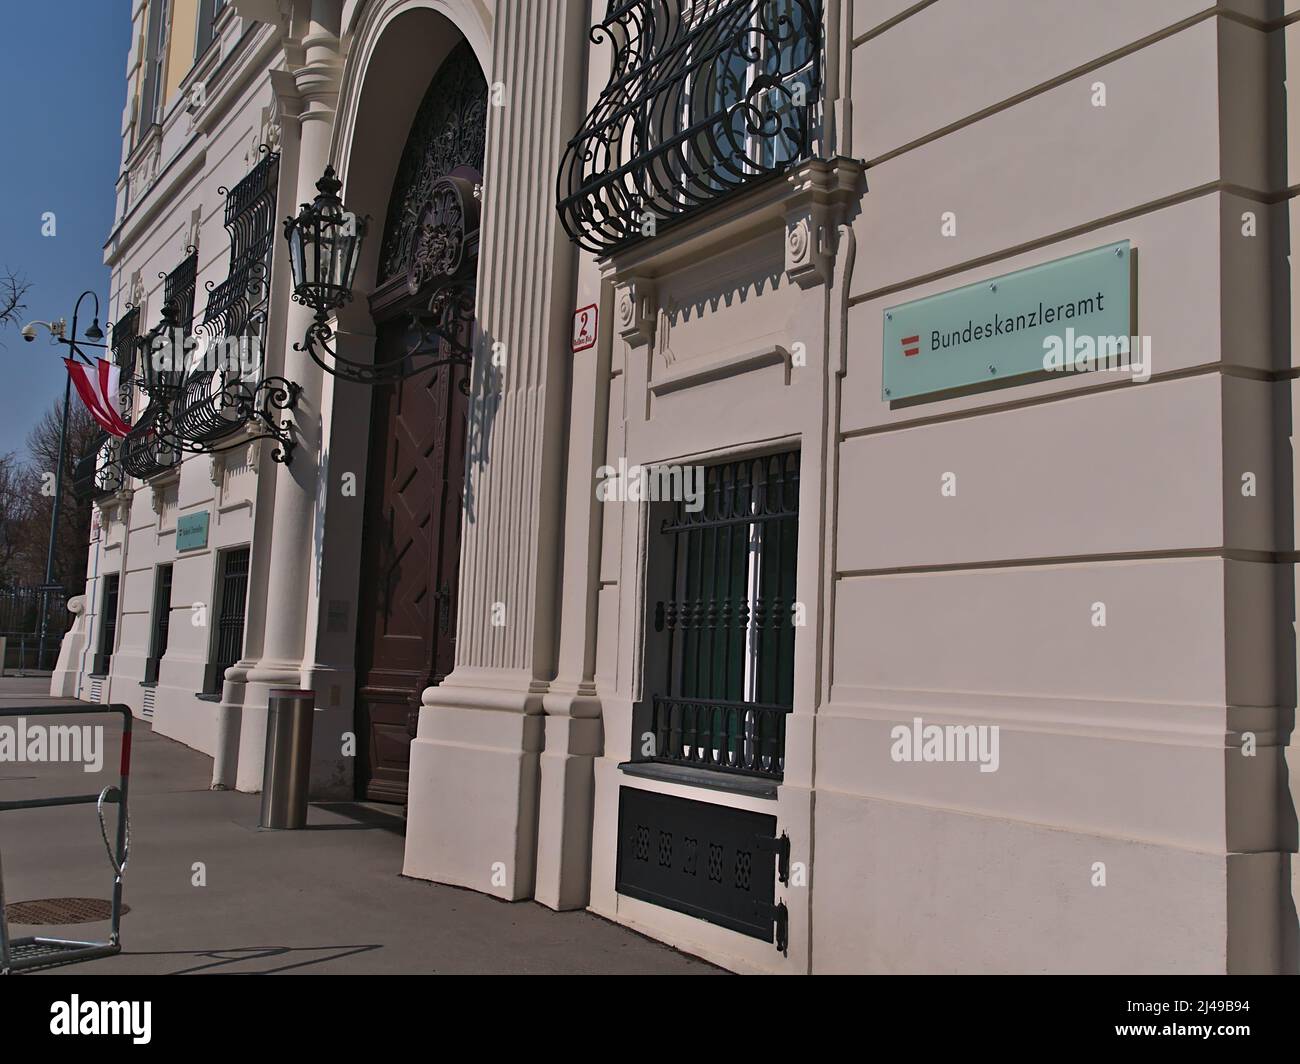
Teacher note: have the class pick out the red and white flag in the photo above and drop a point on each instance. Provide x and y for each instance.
(98, 390)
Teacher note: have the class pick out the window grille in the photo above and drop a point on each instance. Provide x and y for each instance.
(229, 636)
(162, 612)
(727, 621)
(704, 98)
(220, 393)
(107, 626)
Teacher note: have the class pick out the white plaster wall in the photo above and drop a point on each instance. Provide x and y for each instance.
(1119, 744)
(200, 153)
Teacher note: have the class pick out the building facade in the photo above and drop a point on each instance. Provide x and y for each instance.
(632, 532)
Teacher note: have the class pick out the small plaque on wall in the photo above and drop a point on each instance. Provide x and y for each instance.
(1058, 316)
(192, 531)
(584, 328)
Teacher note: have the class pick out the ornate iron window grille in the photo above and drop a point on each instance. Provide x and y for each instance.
(240, 300)
(214, 399)
(108, 473)
(97, 474)
(447, 138)
(126, 333)
(728, 621)
(125, 343)
(704, 98)
(142, 453)
(178, 289)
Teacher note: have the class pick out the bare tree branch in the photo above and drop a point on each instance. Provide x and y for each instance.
(13, 287)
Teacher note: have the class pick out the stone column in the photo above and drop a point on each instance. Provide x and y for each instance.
(472, 814)
(294, 527)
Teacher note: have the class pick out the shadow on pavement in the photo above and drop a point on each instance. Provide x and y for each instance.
(364, 817)
(220, 958)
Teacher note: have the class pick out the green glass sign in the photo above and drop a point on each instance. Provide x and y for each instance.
(1069, 315)
(192, 531)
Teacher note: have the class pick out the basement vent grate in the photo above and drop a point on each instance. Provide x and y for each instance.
(146, 709)
(97, 690)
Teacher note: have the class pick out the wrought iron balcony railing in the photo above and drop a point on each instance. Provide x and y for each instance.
(225, 390)
(240, 299)
(704, 98)
(149, 448)
(97, 474)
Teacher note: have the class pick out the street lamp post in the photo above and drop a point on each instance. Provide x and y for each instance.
(57, 332)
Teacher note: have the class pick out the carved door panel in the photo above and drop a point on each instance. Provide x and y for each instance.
(410, 556)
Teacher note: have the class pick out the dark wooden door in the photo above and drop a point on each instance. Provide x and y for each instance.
(410, 552)
(406, 628)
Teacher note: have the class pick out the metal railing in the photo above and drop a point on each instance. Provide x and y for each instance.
(704, 97)
(20, 625)
(727, 736)
(39, 952)
(725, 627)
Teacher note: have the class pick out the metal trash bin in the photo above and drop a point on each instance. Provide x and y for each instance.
(287, 769)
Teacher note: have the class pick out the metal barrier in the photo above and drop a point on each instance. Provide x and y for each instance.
(36, 952)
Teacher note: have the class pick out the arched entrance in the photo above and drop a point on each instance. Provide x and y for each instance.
(410, 546)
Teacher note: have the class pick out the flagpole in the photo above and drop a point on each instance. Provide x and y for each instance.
(54, 516)
(48, 585)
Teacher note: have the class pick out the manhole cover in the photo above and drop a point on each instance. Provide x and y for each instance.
(60, 911)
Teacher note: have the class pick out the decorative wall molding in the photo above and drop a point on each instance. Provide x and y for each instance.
(699, 371)
(115, 507)
(144, 169)
(635, 310)
(165, 491)
(821, 195)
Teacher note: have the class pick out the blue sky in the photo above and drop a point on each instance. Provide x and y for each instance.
(63, 80)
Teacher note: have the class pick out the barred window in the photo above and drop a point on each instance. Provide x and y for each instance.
(721, 584)
(162, 613)
(103, 660)
(704, 97)
(232, 605)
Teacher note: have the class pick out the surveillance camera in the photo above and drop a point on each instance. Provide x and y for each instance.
(29, 333)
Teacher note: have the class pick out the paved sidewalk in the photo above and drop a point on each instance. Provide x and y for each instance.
(328, 899)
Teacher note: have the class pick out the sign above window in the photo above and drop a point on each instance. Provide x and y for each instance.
(1070, 315)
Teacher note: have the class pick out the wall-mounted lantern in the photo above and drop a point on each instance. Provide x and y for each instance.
(325, 242)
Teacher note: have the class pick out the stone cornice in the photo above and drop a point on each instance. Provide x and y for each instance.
(808, 202)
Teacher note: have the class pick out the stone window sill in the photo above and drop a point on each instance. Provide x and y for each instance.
(689, 776)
